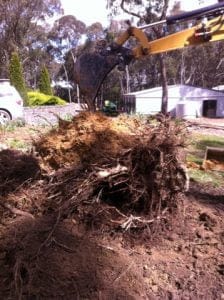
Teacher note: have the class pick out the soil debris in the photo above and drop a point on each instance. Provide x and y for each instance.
(113, 172)
(105, 210)
(16, 168)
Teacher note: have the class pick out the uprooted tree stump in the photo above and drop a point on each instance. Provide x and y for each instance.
(123, 178)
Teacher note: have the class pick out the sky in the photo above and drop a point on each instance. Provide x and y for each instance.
(90, 11)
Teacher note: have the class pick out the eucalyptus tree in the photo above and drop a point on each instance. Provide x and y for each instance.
(65, 35)
(146, 12)
(20, 23)
(95, 32)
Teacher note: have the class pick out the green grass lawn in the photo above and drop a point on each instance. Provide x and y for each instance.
(196, 153)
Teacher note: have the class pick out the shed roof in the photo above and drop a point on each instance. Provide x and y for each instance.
(170, 87)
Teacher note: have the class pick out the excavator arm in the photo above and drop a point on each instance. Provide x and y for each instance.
(92, 68)
(208, 32)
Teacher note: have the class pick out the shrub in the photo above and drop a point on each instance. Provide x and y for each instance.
(16, 76)
(39, 99)
(45, 82)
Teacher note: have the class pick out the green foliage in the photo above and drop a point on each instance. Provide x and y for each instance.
(23, 28)
(17, 144)
(16, 76)
(39, 99)
(12, 126)
(45, 82)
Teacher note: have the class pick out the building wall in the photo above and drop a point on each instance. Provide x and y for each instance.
(192, 98)
(220, 108)
(148, 106)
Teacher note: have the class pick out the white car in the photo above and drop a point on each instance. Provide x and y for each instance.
(11, 103)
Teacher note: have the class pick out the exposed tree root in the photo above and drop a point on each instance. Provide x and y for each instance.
(142, 183)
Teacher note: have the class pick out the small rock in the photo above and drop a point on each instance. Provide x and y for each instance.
(196, 253)
(178, 248)
(3, 146)
(172, 237)
(178, 285)
(203, 234)
(208, 221)
(221, 269)
(146, 274)
(149, 252)
(222, 237)
(154, 288)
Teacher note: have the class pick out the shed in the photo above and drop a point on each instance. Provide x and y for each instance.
(183, 101)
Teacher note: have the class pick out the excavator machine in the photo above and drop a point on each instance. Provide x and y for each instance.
(91, 69)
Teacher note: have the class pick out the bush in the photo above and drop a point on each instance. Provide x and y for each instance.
(16, 76)
(39, 99)
(45, 82)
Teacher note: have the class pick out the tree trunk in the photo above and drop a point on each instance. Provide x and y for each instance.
(127, 79)
(91, 105)
(164, 105)
(69, 92)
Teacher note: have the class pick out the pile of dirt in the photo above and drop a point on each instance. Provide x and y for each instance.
(63, 265)
(87, 139)
(105, 216)
(16, 168)
(108, 171)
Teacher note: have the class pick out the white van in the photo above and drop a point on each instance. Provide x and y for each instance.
(11, 103)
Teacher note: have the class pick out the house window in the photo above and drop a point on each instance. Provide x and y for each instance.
(209, 108)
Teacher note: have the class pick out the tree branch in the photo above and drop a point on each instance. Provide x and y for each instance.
(129, 12)
(164, 10)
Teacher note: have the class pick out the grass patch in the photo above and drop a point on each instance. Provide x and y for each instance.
(11, 126)
(18, 144)
(196, 153)
(198, 144)
(194, 158)
(215, 178)
(200, 141)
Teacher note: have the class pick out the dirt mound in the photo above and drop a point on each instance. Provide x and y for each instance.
(15, 169)
(64, 265)
(108, 187)
(87, 139)
(44, 258)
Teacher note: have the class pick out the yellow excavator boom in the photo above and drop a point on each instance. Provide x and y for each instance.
(211, 31)
(92, 68)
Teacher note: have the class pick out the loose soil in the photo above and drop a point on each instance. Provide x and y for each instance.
(62, 236)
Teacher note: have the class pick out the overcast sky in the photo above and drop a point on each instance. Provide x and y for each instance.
(90, 11)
